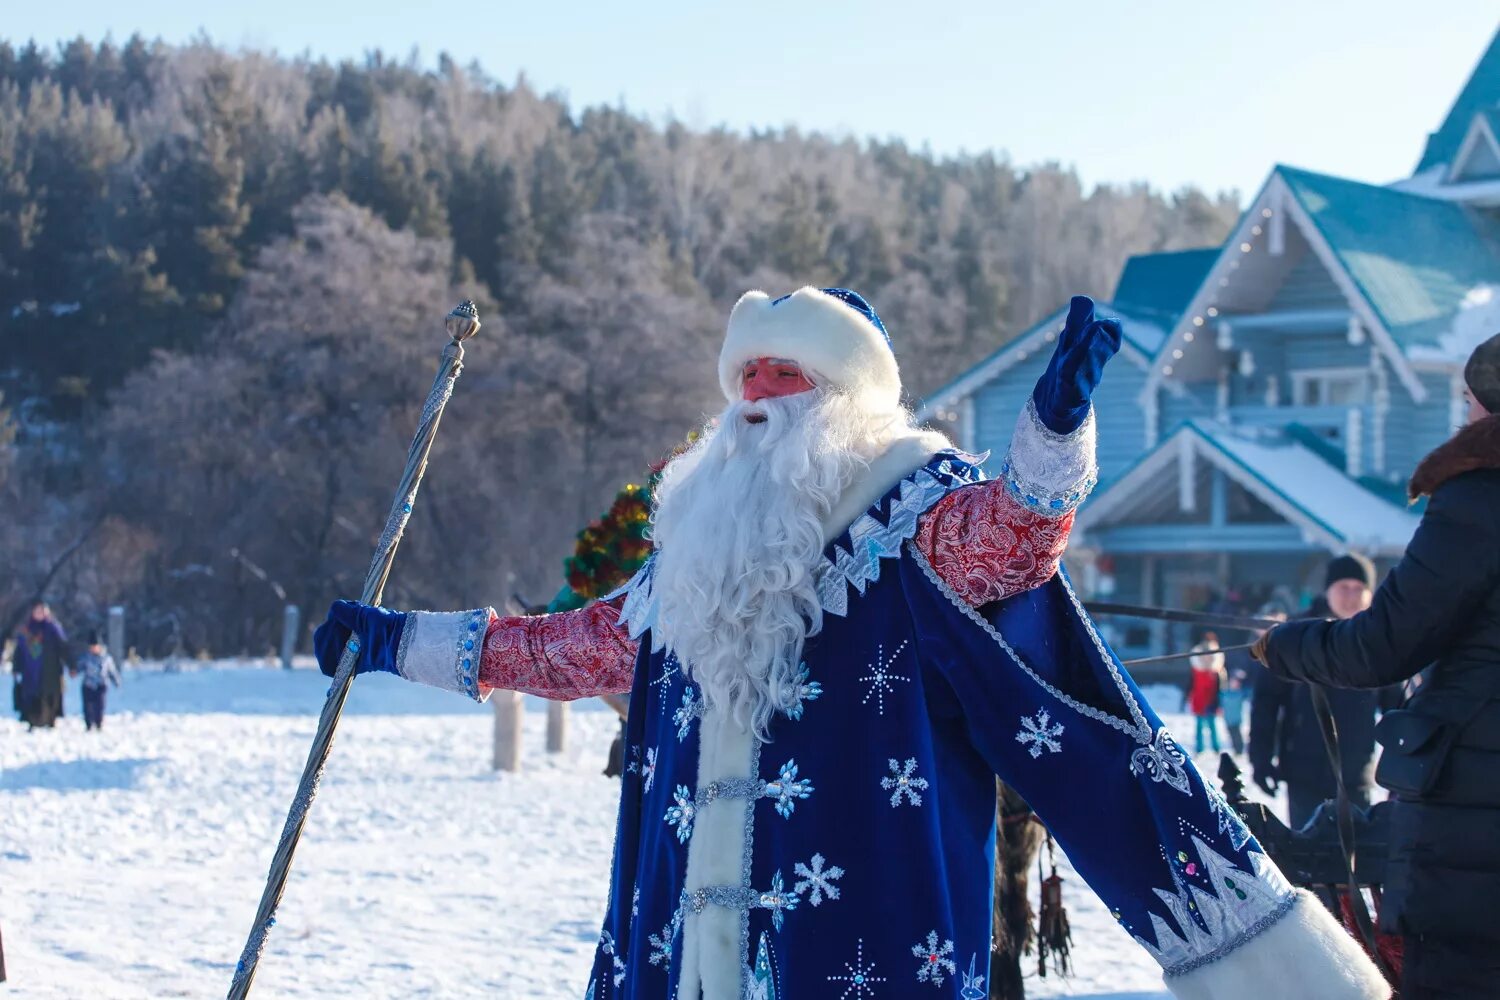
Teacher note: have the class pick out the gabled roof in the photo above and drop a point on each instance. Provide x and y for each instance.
(1285, 475)
(1414, 259)
(1142, 332)
(1482, 91)
(1478, 156)
(1261, 227)
(1163, 282)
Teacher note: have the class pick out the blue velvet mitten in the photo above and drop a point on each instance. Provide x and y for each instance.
(378, 631)
(1086, 343)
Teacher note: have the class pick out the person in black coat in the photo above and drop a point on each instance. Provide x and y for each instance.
(1436, 618)
(1286, 745)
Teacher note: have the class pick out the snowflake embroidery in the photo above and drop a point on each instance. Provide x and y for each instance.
(684, 716)
(902, 782)
(935, 960)
(648, 769)
(787, 788)
(607, 944)
(858, 976)
(1040, 733)
(817, 878)
(1162, 760)
(635, 760)
(973, 988)
(880, 678)
(635, 902)
(668, 671)
(804, 691)
(661, 945)
(778, 900)
(680, 814)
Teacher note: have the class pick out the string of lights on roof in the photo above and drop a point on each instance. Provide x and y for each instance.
(1189, 332)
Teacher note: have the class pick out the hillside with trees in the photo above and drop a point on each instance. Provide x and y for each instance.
(222, 277)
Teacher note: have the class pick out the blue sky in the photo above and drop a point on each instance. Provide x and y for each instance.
(1171, 93)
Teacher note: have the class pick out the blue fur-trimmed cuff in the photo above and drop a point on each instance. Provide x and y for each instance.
(1050, 473)
(442, 649)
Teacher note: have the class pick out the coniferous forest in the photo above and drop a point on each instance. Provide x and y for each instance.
(223, 275)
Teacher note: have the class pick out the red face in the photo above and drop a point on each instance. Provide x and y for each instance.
(769, 378)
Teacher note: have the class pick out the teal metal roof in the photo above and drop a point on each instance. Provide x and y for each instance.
(1482, 91)
(1164, 283)
(1413, 258)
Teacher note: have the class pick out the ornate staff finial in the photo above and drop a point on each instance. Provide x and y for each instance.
(463, 321)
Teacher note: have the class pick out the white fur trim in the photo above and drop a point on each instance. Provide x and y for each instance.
(902, 457)
(442, 649)
(1050, 473)
(827, 337)
(711, 941)
(1306, 955)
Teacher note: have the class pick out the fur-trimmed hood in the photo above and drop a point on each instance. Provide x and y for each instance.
(1476, 446)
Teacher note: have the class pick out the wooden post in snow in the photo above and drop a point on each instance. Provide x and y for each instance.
(115, 634)
(291, 618)
(557, 726)
(508, 710)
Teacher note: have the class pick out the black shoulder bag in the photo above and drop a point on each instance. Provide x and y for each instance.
(1415, 748)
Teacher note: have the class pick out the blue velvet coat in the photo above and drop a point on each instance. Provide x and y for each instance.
(868, 846)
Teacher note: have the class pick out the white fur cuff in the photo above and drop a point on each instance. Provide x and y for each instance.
(1050, 473)
(1306, 955)
(824, 335)
(442, 649)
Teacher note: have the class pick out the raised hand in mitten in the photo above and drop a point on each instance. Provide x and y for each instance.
(1062, 393)
(378, 631)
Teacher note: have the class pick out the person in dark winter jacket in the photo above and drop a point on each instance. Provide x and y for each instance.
(40, 657)
(1437, 615)
(1286, 745)
(98, 670)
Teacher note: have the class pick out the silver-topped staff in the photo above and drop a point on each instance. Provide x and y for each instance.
(462, 323)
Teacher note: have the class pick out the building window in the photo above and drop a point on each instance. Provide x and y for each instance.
(1330, 387)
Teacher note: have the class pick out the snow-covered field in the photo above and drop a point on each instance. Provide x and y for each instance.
(131, 860)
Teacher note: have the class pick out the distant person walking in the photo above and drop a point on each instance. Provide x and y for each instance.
(99, 671)
(41, 655)
(1204, 688)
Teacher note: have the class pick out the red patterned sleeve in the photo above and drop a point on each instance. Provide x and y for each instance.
(575, 654)
(987, 546)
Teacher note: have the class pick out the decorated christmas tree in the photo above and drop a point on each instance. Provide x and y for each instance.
(610, 550)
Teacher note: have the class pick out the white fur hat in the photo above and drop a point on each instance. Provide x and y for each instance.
(832, 333)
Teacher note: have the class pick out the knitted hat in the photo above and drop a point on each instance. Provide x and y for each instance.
(1350, 567)
(1482, 374)
(832, 333)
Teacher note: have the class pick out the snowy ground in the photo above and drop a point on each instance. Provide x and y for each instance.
(131, 860)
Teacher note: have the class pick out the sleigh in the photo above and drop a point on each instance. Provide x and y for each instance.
(1313, 857)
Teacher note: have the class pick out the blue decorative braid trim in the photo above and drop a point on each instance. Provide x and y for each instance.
(1039, 501)
(1227, 948)
(1046, 472)
(470, 651)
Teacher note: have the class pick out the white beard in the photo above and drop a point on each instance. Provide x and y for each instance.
(738, 529)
